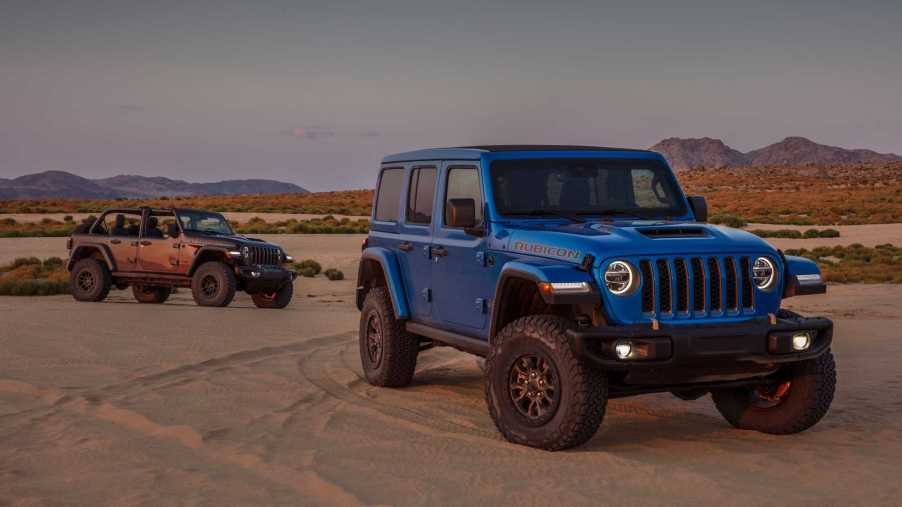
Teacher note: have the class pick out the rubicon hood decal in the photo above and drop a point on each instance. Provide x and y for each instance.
(546, 250)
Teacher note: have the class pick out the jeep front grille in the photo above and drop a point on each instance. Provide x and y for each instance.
(698, 286)
(264, 256)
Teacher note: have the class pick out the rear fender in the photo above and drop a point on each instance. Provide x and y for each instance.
(84, 250)
(390, 268)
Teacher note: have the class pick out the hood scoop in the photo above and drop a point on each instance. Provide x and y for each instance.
(673, 232)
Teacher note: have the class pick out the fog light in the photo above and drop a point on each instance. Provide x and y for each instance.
(255, 274)
(623, 349)
(801, 341)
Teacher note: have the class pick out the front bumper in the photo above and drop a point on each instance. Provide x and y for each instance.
(693, 353)
(255, 279)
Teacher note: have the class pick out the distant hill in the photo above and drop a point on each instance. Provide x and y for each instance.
(66, 185)
(713, 153)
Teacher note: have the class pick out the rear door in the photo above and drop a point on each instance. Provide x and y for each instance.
(158, 252)
(415, 239)
(119, 230)
(461, 286)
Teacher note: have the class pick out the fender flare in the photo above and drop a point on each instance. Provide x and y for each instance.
(103, 249)
(195, 262)
(391, 268)
(801, 277)
(543, 273)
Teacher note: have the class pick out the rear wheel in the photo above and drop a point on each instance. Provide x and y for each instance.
(277, 299)
(388, 352)
(90, 280)
(538, 391)
(792, 405)
(213, 284)
(151, 294)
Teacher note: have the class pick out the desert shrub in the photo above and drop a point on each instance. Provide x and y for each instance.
(307, 272)
(311, 265)
(68, 218)
(728, 220)
(856, 263)
(24, 277)
(829, 233)
(334, 274)
(25, 261)
(8, 222)
(780, 233)
(53, 262)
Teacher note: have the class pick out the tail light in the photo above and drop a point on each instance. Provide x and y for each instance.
(69, 244)
(366, 243)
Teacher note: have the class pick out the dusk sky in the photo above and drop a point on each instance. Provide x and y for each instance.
(315, 93)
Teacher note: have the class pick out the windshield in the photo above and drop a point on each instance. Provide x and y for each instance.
(204, 222)
(572, 187)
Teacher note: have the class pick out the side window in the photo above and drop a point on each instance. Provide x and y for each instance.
(463, 183)
(421, 195)
(119, 224)
(389, 194)
(157, 225)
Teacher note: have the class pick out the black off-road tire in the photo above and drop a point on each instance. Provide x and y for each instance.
(90, 280)
(812, 384)
(278, 299)
(583, 394)
(388, 352)
(213, 284)
(150, 294)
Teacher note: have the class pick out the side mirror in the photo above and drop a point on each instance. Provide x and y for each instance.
(463, 213)
(172, 229)
(463, 216)
(699, 207)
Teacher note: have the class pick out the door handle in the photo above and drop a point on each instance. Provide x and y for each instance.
(115, 241)
(405, 246)
(146, 243)
(439, 251)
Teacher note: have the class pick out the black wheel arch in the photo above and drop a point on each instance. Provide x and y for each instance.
(85, 250)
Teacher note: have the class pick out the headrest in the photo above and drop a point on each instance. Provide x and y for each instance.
(152, 222)
(120, 221)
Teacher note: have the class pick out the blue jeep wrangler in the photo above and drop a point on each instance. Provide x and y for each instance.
(583, 274)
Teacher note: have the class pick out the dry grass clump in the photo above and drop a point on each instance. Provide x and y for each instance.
(794, 234)
(29, 276)
(325, 225)
(856, 263)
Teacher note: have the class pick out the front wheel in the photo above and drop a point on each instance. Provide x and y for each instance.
(151, 294)
(277, 299)
(793, 404)
(538, 391)
(213, 284)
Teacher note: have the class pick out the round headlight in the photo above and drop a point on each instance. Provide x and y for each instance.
(245, 252)
(763, 273)
(619, 277)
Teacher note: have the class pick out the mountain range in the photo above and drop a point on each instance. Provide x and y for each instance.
(686, 154)
(61, 184)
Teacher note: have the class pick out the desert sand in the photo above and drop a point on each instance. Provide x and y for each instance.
(238, 216)
(117, 403)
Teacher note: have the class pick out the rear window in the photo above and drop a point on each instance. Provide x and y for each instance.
(389, 194)
(421, 195)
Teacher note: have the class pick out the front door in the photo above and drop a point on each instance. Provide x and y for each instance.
(158, 252)
(461, 285)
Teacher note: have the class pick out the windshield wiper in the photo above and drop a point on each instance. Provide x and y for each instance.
(539, 212)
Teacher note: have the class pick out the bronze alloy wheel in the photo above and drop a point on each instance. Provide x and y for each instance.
(374, 339)
(85, 281)
(534, 388)
(769, 396)
(209, 286)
